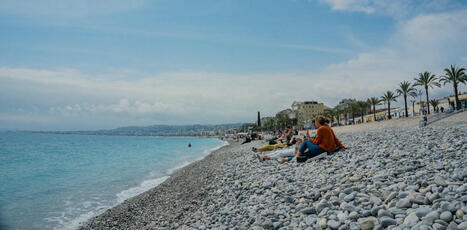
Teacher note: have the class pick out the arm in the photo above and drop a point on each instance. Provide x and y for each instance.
(317, 139)
(338, 143)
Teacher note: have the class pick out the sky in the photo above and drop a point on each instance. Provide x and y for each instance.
(87, 65)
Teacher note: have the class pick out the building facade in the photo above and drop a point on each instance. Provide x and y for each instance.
(306, 110)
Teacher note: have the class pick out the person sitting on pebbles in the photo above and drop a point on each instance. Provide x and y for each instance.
(281, 153)
(274, 147)
(325, 141)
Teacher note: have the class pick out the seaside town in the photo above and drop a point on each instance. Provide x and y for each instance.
(358, 169)
(233, 115)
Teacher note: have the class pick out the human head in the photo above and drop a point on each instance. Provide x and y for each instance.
(321, 120)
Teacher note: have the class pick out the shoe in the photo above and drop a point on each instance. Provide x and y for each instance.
(260, 158)
(280, 160)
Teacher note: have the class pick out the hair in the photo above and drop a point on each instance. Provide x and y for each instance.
(322, 120)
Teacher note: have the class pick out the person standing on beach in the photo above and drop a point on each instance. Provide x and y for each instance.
(325, 140)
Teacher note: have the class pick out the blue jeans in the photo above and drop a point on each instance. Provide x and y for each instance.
(313, 150)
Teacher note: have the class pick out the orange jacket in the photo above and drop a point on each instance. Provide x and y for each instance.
(326, 139)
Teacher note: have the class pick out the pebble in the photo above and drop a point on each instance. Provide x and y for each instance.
(368, 223)
(404, 203)
(322, 223)
(333, 224)
(446, 216)
(412, 219)
(422, 211)
(389, 179)
(387, 221)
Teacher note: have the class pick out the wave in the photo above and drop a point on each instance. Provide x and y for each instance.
(95, 207)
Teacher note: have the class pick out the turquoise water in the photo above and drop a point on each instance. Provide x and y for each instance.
(51, 181)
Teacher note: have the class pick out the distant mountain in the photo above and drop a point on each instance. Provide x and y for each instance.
(163, 130)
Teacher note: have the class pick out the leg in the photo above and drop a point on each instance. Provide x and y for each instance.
(266, 148)
(313, 150)
(304, 146)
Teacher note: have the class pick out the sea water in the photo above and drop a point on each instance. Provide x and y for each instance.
(52, 181)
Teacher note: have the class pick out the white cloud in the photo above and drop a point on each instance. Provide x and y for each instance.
(394, 8)
(351, 5)
(428, 42)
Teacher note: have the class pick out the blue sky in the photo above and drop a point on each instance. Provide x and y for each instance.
(70, 65)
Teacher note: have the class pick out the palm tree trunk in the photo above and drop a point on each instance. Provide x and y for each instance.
(389, 111)
(427, 100)
(374, 112)
(457, 95)
(406, 110)
(413, 108)
(362, 117)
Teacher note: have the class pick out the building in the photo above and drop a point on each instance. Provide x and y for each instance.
(382, 114)
(288, 112)
(448, 102)
(306, 110)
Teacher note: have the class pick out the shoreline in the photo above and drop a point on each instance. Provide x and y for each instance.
(144, 186)
(165, 190)
(381, 181)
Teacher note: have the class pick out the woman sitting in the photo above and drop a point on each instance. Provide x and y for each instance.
(325, 140)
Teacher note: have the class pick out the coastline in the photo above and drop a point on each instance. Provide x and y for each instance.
(381, 181)
(183, 185)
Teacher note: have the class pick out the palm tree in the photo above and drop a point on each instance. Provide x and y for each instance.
(374, 101)
(405, 88)
(426, 80)
(363, 106)
(354, 109)
(454, 76)
(338, 112)
(346, 115)
(435, 104)
(387, 98)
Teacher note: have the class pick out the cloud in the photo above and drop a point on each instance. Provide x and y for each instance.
(351, 5)
(394, 8)
(70, 99)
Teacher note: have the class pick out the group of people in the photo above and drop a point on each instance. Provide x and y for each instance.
(310, 147)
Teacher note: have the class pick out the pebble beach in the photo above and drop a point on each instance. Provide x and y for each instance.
(395, 176)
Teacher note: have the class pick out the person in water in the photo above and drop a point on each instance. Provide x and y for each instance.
(189, 145)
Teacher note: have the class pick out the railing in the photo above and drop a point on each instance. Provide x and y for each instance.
(438, 116)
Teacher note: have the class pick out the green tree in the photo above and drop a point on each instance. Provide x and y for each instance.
(338, 113)
(455, 76)
(405, 88)
(426, 80)
(362, 105)
(387, 98)
(282, 121)
(374, 101)
(435, 104)
(346, 112)
(354, 109)
(268, 125)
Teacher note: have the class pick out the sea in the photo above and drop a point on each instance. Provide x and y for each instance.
(58, 181)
